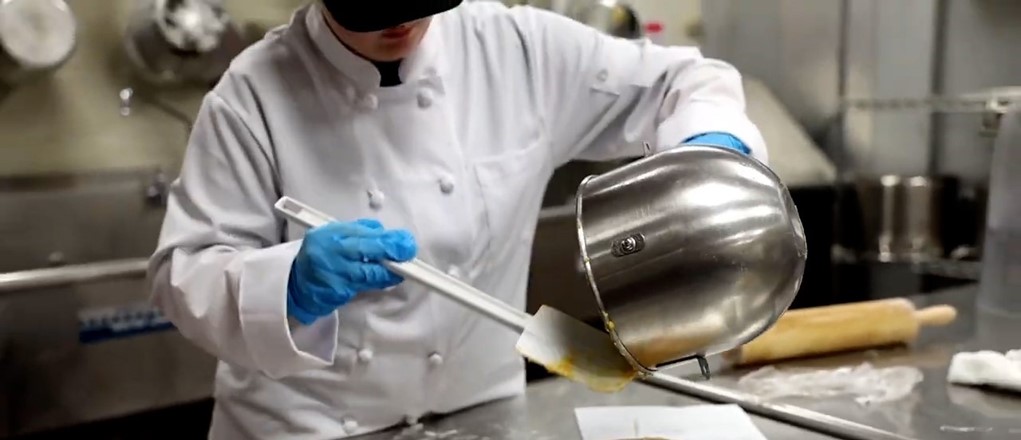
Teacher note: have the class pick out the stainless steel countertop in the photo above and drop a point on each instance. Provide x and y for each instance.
(546, 412)
(935, 409)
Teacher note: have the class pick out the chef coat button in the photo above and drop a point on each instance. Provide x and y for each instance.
(411, 420)
(430, 71)
(370, 102)
(350, 425)
(376, 198)
(446, 185)
(365, 355)
(350, 94)
(425, 98)
(602, 75)
(436, 359)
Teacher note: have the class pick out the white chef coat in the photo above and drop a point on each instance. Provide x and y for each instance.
(459, 154)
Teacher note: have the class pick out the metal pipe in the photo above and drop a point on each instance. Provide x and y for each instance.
(790, 414)
(15, 282)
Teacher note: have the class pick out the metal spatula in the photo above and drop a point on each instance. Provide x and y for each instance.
(553, 339)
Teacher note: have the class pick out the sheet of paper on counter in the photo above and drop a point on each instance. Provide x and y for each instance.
(701, 422)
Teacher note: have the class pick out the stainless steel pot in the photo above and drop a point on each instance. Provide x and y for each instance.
(182, 41)
(901, 218)
(36, 38)
(689, 252)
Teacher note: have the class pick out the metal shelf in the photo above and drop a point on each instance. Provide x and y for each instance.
(21, 281)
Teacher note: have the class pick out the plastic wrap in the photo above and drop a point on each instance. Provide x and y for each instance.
(866, 384)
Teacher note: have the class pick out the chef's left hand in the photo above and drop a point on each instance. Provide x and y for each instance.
(718, 139)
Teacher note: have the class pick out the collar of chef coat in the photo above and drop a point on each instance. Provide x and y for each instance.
(423, 63)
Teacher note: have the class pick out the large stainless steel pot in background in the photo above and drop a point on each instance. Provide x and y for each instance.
(182, 41)
(901, 218)
(36, 38)
(689, 252)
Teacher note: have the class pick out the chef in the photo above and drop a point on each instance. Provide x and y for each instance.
(428, 129)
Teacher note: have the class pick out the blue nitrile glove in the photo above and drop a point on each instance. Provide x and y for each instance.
(719, 140)
(338, 261)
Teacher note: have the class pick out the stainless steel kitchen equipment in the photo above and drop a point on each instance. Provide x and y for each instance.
(80, 341)
(182, 41)
(36, 38)
(794, 157)
(901, 218)
(1000, 280)
(919, 232)
(128, 97)
(689, 252)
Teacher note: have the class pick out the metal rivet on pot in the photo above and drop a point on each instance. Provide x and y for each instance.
(628, 245)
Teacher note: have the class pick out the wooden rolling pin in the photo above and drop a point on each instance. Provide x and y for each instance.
(843, 327)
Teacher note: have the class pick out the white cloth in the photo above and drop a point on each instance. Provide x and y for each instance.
(491, 103)
(987, 368)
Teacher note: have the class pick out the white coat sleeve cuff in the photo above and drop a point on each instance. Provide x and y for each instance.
(278, 348)
(702, 117)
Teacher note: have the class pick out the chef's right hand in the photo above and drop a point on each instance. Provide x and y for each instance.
(338, 261)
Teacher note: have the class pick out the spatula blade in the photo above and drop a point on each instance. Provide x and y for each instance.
(570, 348)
